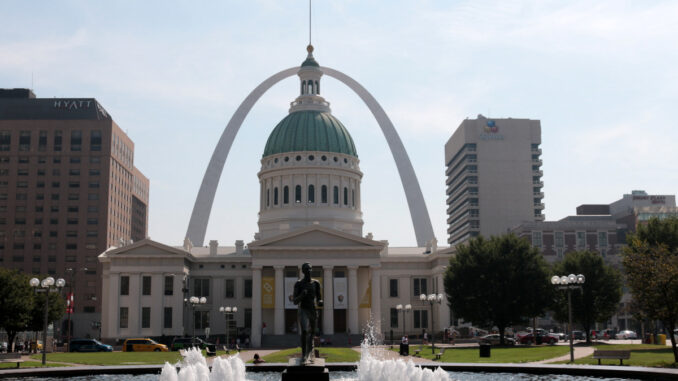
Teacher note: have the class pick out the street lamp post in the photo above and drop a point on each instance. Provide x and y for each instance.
(404, 309)
(569, 283)
(195, 301)
(432, 299)
(228, 312)
(46, 285)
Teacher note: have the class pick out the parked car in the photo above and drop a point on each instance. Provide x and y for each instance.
(188, 342)
(607, 334)
(626, 335)
(578, 335)
(494, 340)
(4, 347)
(560, 335)
(88, 345)
(143, 345)
(541, 339)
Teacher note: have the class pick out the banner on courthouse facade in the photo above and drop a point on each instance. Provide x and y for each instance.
(340, 294)
(267, 292)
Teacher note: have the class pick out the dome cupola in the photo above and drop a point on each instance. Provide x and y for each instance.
(309, 169)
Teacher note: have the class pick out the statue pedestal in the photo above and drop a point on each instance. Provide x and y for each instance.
(296, 371)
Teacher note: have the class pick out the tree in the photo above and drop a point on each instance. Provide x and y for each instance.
(16, 301)
(600, 294)
(651, 266)
(501, 281)
(57, 307)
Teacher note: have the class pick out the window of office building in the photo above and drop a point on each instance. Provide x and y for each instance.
(602, 239)
(5, 140)
(581, 240)
(42, 141)
(57, 140)
(146, 285)
(95, 140)
(537, 240)
(124, 285)
(76, 140)
(560, 239)
(24, 141)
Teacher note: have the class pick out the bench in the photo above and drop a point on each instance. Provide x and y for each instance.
(611, 355)
(440, 353)
(11, 357)
(416, 352)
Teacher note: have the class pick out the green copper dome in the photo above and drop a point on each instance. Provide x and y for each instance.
(310, 131)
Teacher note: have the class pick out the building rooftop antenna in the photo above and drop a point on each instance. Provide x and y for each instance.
(309, 22)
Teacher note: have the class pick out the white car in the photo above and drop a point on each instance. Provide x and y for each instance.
(626, 335)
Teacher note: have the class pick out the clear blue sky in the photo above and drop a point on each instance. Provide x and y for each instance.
(601, 76)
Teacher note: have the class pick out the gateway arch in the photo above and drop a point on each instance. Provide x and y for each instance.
(421, 221)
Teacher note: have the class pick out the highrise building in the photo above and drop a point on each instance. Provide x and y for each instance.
(68, 191)
(493, 177)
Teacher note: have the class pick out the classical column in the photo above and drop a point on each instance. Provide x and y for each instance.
(353, 300)
(279, 324)
(376, 298)
(256, 307)
(443, 309)
(328, 297)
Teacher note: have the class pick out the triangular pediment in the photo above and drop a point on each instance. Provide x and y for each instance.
(146, 248)
(316, 236)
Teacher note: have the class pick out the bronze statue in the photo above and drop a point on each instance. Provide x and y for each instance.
(306, 292)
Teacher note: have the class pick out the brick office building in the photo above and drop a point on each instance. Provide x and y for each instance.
(68, 191)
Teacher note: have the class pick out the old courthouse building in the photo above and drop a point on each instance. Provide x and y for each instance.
(309, 210)
(68, 190)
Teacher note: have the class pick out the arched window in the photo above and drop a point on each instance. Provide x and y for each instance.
(297, 193)
(303, 83)
(345, 196)
(311, 194)
(353, 197)
(268, 197)
(323, 194)
(310, 87)
(317, 87)
(286, 195)
(335, 196)
(275, 196)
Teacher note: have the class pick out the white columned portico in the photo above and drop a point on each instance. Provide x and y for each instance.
(353, 300)
(279, 318)
(328, 298)
(376, 298)
(256, 307)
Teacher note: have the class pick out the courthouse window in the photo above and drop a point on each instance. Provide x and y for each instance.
(248, 288)
(146, 285)
(145, 317)
(394, 318)
(420, 286)
(124, 287)
(167, 321)
(201, 287)
(420, 319)
(124, 312)
(169, 285)
(393, 288)
(230, 288)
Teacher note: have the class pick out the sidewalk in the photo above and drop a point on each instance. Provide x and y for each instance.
(579, 352)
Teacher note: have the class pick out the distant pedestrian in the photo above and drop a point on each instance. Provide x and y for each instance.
(257, 359)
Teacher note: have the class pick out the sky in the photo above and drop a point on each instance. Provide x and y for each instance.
(600, 76)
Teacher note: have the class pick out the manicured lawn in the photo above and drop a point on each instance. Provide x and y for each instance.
(513, 354)
(27, 364)
(641, 355)
(329, 354)
(116, 358)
